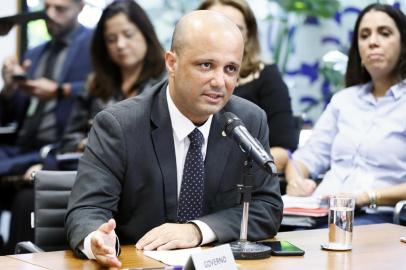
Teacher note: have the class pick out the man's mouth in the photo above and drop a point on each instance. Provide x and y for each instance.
(214, 97)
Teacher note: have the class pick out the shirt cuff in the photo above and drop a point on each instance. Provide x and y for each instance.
(208, 234)
(86, 248)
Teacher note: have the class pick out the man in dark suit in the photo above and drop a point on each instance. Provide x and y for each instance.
(132, 177)
(56, 71)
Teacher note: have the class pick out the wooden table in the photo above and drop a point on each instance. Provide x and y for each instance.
(374, 247)
(12, 263)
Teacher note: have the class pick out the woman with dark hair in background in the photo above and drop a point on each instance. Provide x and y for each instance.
(359, 141)
(261, 83)
(127, 59)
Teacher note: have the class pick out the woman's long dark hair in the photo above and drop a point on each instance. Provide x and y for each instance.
(107, 79)
(356, 73)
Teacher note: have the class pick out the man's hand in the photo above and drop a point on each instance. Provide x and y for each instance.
(42, 88)
(170, 236)
(33, 168)
(103, 242)
(301, 187)
(11, 67)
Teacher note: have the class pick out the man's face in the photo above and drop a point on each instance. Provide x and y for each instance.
(62, 15)
(203, 73)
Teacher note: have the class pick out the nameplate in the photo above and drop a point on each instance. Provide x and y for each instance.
(217, 258)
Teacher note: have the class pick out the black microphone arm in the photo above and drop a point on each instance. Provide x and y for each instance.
(233, 127)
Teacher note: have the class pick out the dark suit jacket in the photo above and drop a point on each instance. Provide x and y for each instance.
(128, 172)
(75, 70)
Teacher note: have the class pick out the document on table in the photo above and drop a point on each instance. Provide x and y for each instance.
(311, 202)
(172, 257)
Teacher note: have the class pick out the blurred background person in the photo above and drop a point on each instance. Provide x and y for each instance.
(259, 82)
(360, 139)
(39, 94)
(127, 59)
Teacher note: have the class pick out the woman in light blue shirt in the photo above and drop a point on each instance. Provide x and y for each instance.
(359, 142)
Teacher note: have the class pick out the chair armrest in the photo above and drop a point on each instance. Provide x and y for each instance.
(46, 149)
(397, 211)
(27, 247)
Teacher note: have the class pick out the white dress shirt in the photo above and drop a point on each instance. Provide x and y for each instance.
(181, 127)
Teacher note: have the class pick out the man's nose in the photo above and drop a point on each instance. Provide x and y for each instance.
(51, 13)
(218, 79)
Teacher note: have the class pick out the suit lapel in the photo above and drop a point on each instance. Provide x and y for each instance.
(162, 139)
(218, 150)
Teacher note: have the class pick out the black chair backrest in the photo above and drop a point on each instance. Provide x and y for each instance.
(52, 191)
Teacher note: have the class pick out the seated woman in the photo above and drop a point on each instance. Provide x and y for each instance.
(359, 141)
(127, 59)
(261, 83)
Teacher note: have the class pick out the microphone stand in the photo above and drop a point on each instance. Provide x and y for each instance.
(243, 249)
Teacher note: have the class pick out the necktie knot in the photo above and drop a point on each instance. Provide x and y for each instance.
(196, 138)
(57, 45)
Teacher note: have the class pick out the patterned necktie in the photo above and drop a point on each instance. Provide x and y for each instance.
(191, 192)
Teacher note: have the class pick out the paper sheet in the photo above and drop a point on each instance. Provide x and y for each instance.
(172, 257)
(311, 202)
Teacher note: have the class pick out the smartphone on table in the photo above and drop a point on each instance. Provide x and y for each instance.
(283, 248)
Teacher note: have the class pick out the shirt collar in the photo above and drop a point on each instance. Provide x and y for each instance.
(397, 90)
(181, 125)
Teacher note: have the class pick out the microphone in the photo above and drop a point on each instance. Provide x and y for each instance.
(233, 127)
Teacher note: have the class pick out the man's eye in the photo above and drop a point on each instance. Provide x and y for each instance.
(231, 69)
(205, 65)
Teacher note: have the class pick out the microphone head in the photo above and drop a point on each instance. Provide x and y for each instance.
(228, 121)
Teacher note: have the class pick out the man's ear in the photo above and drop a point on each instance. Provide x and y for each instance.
(170, 62)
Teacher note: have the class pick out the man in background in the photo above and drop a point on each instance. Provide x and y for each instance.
(38, 95)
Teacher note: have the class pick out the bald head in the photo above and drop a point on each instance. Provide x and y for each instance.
(202, 24)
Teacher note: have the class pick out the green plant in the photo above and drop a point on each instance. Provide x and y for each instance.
(317, 8)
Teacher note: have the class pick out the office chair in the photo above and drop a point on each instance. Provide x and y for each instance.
(51, 194)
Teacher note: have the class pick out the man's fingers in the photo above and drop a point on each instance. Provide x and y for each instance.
(108, 227)
(147, 239)
(155, 244)
(26, 64)
(174, 244)
(96, 241)
(109, 261)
